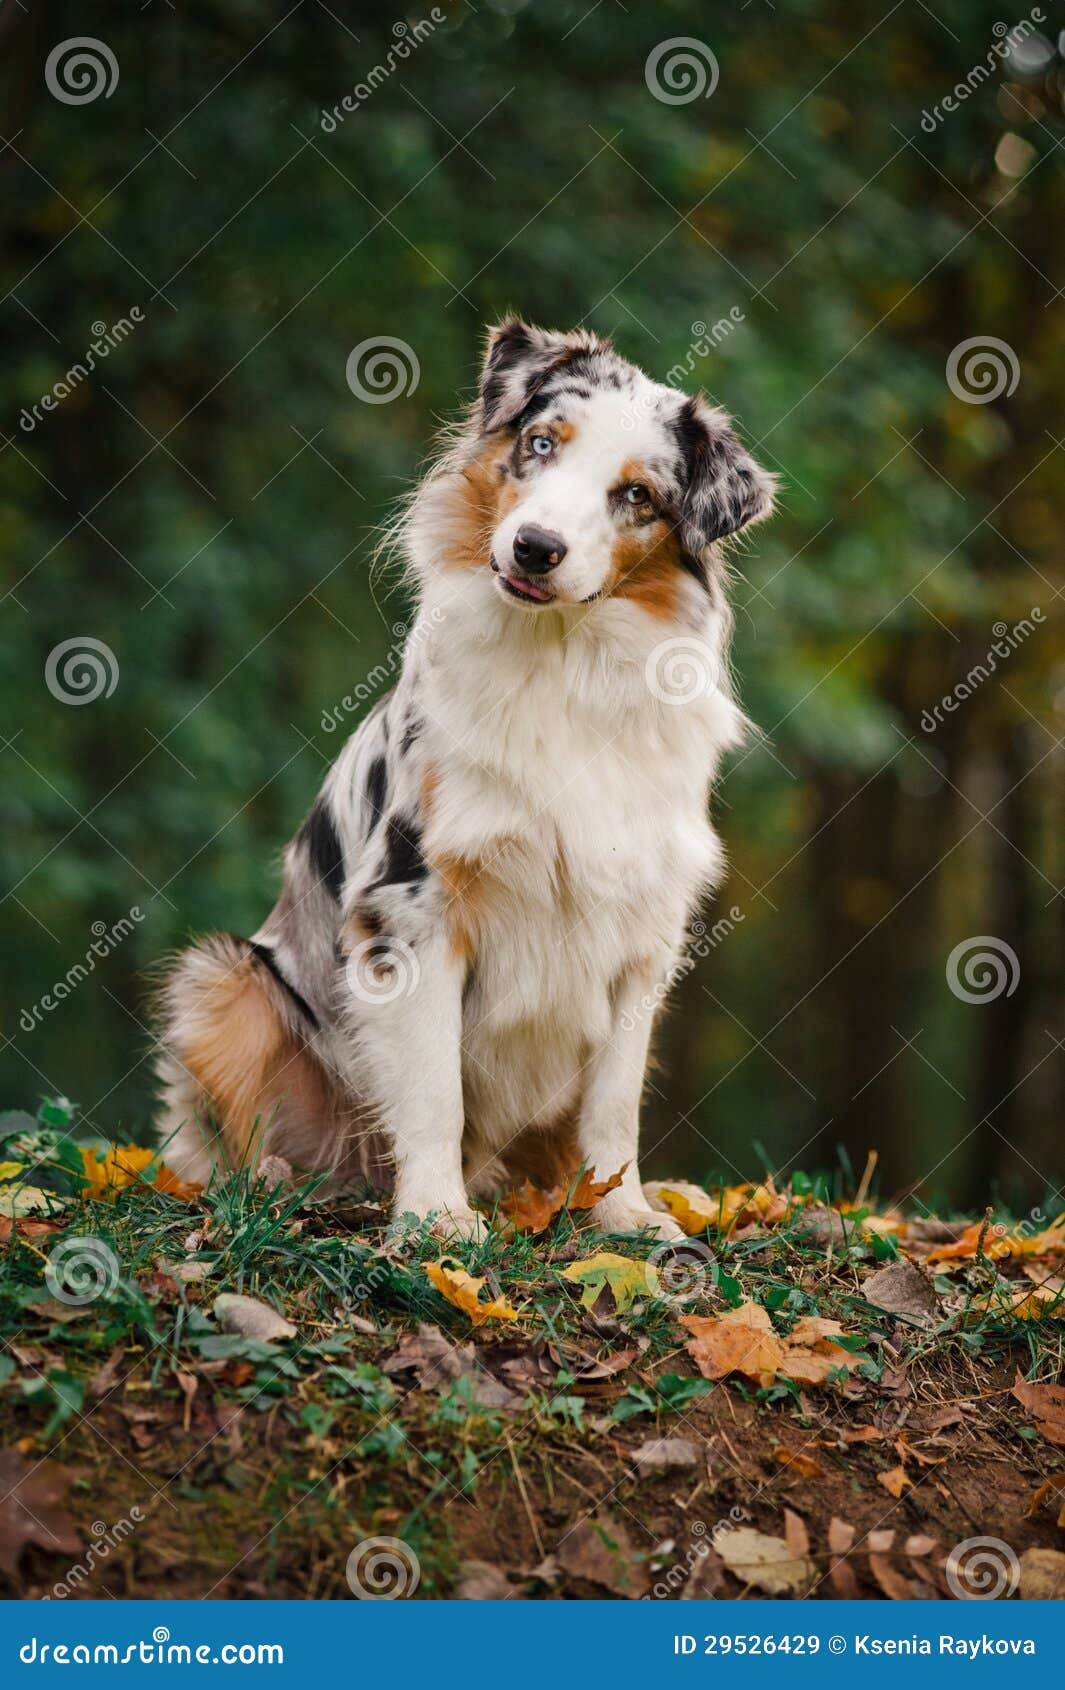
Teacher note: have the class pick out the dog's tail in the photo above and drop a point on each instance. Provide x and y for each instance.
(239, 1072)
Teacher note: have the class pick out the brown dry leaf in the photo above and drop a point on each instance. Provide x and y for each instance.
(901, 1288)
(32, 1510)
(1056, 1482)
(532, 1210)
(880, 1542)
(796, 1535)
(895, 1481)
(587, 1191)
(659, 1455)
(1046, 1405)
(840, 1572)
(740, 1341)
(599, 1550)
(247, 1317)
(861, 1435)
(812, 1352)
(893, 1583)
(919, 1544)
(1042, 1575)
(463, 1290)
(754, 1558)
(804, 1464)
(436, 1363)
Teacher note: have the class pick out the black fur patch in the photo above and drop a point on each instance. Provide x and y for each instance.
(403, 855)
(319, 835)
(410, 734)
(266, 956)
(377, 788)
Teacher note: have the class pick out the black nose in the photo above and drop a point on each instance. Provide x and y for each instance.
(537, 550)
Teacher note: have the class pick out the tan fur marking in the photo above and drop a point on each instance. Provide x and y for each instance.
(248, 1062)
(467, 889)
(648, 571)
(485, 496)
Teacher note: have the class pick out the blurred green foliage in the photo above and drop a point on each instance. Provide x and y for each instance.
(206, 502)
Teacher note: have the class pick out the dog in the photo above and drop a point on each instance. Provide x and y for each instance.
(458, 981)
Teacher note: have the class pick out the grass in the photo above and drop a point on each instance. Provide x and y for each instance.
(258, 1464)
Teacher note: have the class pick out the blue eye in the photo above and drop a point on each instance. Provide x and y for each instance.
(542, 445)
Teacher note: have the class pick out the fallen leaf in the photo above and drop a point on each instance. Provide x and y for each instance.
(124, 1165)
(754, 1558)
(19, 1200)
(1055, 1483)
(879, 1542)
(804, 1464)
(463, 1290)
(32, 1511)
(895, 1481)
(894, 1584)
(625, 1279)
(692, 1208)
(246, 1317)
(1046, 1405)
(532, 1210)
(600, 1551)
(659, 1455)
(435, 1361)
(901, 1288)
(481, 1582)
(1042, 1575)
(740, 1341)
(861, 1435)
(840, 1572)
(796, 1535)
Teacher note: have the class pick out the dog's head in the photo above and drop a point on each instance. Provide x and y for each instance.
(591, 480)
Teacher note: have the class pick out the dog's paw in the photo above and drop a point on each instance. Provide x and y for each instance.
(460, 1223)
(614, 1215)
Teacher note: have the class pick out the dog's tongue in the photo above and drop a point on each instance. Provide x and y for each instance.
(529, 590)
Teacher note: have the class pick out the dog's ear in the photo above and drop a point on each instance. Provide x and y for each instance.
(516, 361)
(725, 488)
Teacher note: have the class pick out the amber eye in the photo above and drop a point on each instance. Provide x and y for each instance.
(541, 445)
(637, 494)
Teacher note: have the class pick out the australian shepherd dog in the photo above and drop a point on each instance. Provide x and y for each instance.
(458, 982)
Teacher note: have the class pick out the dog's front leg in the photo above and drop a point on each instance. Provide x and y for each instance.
(405, 1011)
(609, 1126)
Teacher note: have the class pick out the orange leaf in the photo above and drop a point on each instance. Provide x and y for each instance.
(895, 1481)
(804, 1464)
(1056, 1482)
(1046, 1405)
(166, 1180)
(741, 1341)
(462, 1289)
(587, 1191)
(533, 1210)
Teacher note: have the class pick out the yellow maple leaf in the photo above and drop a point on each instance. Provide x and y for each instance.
(464, 1290)
(625, 1278)
(125, 1165)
